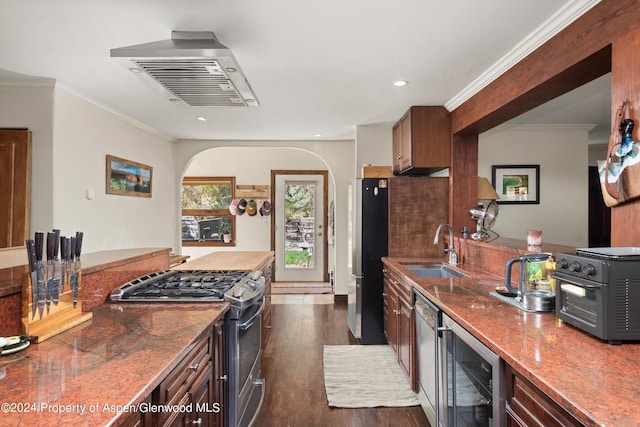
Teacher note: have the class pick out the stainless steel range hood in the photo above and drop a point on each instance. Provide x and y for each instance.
(193, 68)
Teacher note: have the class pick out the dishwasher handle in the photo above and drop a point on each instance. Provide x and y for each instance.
(426, 314)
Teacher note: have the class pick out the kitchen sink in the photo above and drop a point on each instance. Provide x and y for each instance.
(434, 271)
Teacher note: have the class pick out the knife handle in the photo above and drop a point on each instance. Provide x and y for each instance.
(72, 249)
(68, 251)
(51, 245)
(63, 248)
(31, 254)
(39, 241)
(56, 245)
(78, 249)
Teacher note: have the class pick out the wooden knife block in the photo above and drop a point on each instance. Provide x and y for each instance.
(58, 319)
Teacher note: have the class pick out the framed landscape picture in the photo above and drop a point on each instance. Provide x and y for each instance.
(517, 184)
(128, 178)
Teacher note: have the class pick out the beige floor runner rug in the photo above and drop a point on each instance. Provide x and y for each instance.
(365, 376)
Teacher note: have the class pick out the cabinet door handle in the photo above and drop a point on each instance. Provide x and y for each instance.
(197, 422)
(194, 367)
(223, 378)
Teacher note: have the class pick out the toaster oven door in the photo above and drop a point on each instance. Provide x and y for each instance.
(581, 303)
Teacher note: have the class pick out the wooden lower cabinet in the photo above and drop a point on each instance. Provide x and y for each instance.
(399, 324)
(193, 394)
(140, 418)
(265, 332)
(527, 405)
(406, 342)
(390, 312)
(219, 395)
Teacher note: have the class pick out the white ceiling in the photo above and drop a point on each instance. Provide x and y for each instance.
(323, 66)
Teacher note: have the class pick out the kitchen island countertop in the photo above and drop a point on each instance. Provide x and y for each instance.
(227, 261)
(596, 382)
(82, 376)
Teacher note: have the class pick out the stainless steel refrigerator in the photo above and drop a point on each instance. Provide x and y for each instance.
(368, 226)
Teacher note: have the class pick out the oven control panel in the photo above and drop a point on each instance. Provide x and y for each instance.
(582, 267)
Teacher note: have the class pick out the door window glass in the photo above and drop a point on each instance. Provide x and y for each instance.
(299, 210)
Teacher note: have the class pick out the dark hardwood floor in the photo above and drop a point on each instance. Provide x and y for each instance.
(293, 372)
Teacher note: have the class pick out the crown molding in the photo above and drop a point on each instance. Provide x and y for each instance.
(552, 26)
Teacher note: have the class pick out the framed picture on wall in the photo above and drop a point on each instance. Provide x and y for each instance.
(516, 184)
(128, 178)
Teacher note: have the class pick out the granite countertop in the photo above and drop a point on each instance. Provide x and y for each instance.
(596, 382)
(115, 359)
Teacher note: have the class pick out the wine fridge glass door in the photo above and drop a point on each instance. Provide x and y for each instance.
(470, 391)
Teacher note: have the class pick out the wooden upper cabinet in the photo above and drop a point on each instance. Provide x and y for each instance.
(421, 141)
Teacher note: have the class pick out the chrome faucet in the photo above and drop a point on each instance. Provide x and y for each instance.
(453, 257)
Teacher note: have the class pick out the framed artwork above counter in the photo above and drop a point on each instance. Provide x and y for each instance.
(516, 184)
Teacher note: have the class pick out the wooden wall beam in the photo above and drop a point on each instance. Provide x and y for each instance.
(579, 53)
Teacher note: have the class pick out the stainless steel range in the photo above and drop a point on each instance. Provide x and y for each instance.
(598, 291)
(245, 293)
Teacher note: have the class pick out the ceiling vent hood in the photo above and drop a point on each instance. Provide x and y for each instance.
(193, 68)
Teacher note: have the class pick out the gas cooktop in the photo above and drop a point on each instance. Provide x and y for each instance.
(169, 285)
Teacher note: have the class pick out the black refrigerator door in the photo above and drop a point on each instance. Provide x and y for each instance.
(375, 214)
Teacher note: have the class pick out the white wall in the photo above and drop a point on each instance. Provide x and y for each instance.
(562, 153)
(70, 140)
(336, 156)
(31, 107)
(374, 146)
(83, 135)
(250, 166)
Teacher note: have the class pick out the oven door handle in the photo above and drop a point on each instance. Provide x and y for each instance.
(247, 323)
(576, 283)
(258, 383)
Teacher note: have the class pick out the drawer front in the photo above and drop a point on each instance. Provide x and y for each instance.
(404, 290)
(178, 382)
(533, 407)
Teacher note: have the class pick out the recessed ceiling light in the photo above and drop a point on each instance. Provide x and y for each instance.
(400, 83)
(135, 70)
(317, 135)
(202, 118)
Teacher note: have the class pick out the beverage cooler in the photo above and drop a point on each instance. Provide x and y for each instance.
(470, 380)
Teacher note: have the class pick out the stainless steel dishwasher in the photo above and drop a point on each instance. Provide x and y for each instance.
(427, 322)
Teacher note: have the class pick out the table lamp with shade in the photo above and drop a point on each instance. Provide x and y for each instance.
(487, 210)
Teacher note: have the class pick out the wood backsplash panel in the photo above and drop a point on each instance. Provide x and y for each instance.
(417, 205)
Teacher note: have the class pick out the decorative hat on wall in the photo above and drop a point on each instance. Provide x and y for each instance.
(265, 209)
(242, 206)
(252, 208)
(233, 207)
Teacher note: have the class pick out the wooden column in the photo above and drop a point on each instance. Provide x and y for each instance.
(463, 181)
(625, 84)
